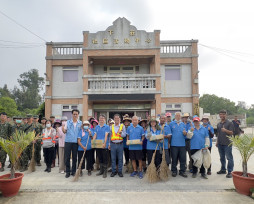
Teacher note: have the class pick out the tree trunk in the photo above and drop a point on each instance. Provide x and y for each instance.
(12, 172)
(245, 173)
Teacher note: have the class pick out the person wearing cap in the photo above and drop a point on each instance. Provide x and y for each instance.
(84, 141)
(43, 122)
(18, 124)
(126, 122)
(188, 124)
(143, 124)
(136, 132)
(24, 120)
(178, 151)
(52, 119)
(199, 141)
(101, 132)
(225, 129)
(49, 134)
(153, 129)
(38, 130)
(168, 118)
(61, 139)
(5, 133)
(209, 128)
(71, 129)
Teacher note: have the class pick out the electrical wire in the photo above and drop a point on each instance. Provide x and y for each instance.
(15, 42)
(230, 53)
(22, 26)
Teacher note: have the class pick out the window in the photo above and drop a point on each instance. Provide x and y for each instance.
(66, 110)
(68, 114)
(172, 73)
(70, 74)
(121, 69)
(173, 108)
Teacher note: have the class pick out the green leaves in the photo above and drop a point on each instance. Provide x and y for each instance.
(245, 145)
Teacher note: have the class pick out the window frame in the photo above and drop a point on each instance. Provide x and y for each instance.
(171, 67)
(70, 69)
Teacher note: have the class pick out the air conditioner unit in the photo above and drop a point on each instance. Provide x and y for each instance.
(195, 81)
(47, 83)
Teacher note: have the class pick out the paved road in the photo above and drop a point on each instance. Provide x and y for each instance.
(217, 188)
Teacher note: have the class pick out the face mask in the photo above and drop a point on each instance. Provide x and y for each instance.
(48, 125)
(18, 121)
(86, 127)
(205, 124)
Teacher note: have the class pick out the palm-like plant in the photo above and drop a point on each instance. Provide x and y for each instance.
(245, 145)
(15, 145)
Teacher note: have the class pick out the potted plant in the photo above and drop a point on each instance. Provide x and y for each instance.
(243, 181)
(14, 146)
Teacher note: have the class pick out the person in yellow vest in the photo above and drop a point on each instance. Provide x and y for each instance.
(117, 133)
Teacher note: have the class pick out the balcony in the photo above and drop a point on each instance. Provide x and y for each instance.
(117, 84)
(175, 49)
(72, 50)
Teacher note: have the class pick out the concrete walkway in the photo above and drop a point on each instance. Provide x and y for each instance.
(36, 187)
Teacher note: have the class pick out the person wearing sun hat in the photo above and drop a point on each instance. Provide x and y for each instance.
(84, 141)
(93, 123)
(209, 128)
(199, 140)
(168, 118)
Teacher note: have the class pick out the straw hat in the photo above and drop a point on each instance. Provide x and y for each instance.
(143, 120)
(86, 122)
(126, 117)
(185, 115)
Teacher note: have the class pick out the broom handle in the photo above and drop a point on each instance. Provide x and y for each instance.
(155, 150)
(82, 159)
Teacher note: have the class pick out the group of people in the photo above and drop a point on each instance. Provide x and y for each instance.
(131, 138)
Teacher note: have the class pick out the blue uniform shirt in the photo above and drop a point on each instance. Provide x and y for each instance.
(72, 132)
(198, 138)
(135, 133)
(178, 138)
(84, 135)
(151, 145)
(167, 131)
(100, 133)
(212, 131)
(187, 127)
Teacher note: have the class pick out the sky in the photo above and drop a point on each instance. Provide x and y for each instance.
(224, 28)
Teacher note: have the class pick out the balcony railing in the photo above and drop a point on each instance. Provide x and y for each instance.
(122, 83)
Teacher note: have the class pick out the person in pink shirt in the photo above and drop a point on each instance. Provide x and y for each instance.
(61, 141)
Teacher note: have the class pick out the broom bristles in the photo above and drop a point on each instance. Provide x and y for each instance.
(151, 172)
(31, 167)
(164, 171)
(76, 177)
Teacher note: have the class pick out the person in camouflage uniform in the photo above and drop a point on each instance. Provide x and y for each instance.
(38, 130)
(5, 132)
(27, 153)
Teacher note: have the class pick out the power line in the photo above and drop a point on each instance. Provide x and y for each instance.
(228, 53)
(27, 43)
(22, 26)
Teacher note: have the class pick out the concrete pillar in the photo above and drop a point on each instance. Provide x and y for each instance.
(49, 77)
(194, 75)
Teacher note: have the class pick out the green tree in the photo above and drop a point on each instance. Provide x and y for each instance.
(213, 104)
(5, 92)
(9, 106)
(31, 84)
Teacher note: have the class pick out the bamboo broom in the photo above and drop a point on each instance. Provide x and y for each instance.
(31, 167)
(164, 171)
(76, 177)
(151, 172)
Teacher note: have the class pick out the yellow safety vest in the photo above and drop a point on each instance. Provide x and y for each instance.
(116, 136)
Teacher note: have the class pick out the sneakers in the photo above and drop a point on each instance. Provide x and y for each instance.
(140, 174)
(120, 174)
(204, 176)
(221, 172)
(113, 174)
(209, 173)
(134, 173)
(89, 173)
(229, 175)
(183, 174)
(194, 175)
(67, 175)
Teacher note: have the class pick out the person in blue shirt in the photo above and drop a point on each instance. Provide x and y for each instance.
(101, 132)
(188, 124)
(165, 129)
(93, 124)
(136, 132)
(199, 140)
(178, 151)
(210, 129)
(143, 124)
(84, 141)
(71, 129)
(126, 122)
(153, 129)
